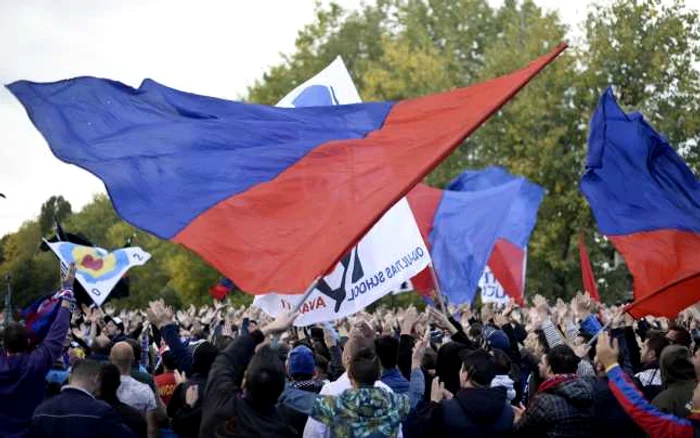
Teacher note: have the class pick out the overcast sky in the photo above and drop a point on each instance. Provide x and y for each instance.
(215, 48)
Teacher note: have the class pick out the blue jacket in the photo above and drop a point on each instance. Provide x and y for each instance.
(395, 380)
(76, 414)
(22, 378)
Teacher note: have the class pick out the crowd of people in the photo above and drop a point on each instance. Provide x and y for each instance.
(221, 371)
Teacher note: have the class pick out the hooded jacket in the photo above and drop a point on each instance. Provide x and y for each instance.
(473, 412)
(563, 407)
(367, 412)
(678, 377)
(504, 381)
(22, 383)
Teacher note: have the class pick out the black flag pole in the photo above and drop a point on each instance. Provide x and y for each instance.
(8, 301)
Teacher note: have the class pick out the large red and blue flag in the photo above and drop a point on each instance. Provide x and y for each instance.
(271, 197)
(485, 217)
(647, 202)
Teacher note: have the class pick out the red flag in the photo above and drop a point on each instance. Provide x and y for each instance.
(587, 277)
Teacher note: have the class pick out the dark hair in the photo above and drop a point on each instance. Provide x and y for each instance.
(502, 362)
(387, 347)
(85, 369)
(169, 361)
(15, 338)
(102, 345)
(364, 367)
(265, 378)
(110, 379)
(136, 346)
(562, 360)
(657, 341)
(542, 339)
(682, 335)
(203, 358)
(480, 366)
(429, 360)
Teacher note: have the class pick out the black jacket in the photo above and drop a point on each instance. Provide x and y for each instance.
(186, 420)
(611, 420)
(473, 412)
(225, 412)
(295, 418)
(75, 414)
(132, 418)
(563, 409)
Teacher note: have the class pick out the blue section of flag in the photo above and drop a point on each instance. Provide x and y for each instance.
(522, 216)
(316, 95)
(465, 229)
(181, 152)
(634, 180)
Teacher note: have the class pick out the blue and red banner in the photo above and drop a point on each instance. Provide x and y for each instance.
(271, 197)
(647, 202)
(39, 316)
(485, 217)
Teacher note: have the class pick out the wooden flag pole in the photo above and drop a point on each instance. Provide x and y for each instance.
(438, 291)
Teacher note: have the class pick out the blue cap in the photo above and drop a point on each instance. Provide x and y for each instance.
(301, 361)
(497, 339)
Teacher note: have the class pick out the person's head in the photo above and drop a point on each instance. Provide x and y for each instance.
(252, 325)
(676, 365)
(102, 345)
(122, 355)
(15, 338)
(169, 363)
(364, 367)
(496, 339)
(203, 358)
(301, 364)
(429, 361)
(501, 362)
(477, 369)
(110, 379)
(678, 335)
(85, 374)
(387, 347)
(448, 365)
(559, 360)
(653, 346)
(136, 348)
(113, 326)
(264, 379)
(355, 343)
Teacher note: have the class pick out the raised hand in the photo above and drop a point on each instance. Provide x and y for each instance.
(158, 314)
(192, 395)
(410, 318)
(607, 352)
(280, 324)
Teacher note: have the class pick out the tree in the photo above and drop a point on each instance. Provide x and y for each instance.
(55, 207)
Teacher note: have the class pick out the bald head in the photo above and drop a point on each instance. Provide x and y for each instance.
(122, 355)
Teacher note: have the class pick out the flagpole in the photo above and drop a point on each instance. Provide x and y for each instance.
(438, 291)
(8, 301)
(605, 327)
(306, 294)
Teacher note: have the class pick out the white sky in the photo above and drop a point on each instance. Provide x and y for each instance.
(207, 47)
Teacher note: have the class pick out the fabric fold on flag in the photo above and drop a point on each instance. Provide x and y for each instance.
(462, 231)
(509, 257)
(587, 276)
(271, 197)
(646, 200)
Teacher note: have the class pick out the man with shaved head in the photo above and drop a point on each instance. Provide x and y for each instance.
(132, 392)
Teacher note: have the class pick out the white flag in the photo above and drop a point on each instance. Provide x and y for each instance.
(388, 256)
(491, 289)
(97, 269)
(392, 252)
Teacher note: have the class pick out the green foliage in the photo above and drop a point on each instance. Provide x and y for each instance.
(398, 49)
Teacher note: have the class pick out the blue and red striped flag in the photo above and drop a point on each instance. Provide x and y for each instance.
(271, 197)
(647, 202)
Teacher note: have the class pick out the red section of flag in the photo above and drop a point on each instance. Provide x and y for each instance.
(664, 264)
(587, 277)
(507, 264)
(301, 223)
